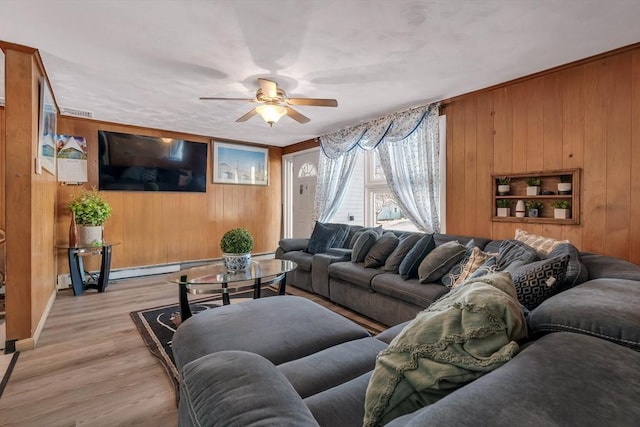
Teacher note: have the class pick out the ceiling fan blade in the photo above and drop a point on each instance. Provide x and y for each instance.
(247, 116)
(313, 102)
(296, 115)
(269, 88)
(212, 98)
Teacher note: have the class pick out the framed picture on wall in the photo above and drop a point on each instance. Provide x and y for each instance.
(47, 129)
(240, 164)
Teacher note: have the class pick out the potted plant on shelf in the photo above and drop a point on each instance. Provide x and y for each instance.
(504, 207)
(564, 186)
(236, 245)
(533, 208)
(503, 185)
(561, 209)
(89, 211)
(533, 186)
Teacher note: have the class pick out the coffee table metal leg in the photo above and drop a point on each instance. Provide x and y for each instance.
(185, 310)
(283, 284)
(225, 295)
(257, 283)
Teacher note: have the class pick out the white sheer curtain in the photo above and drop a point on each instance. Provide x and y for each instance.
(340, 150)
(334, 176)
(412, 169)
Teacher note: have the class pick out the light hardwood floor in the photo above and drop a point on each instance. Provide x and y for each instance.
(91, 368)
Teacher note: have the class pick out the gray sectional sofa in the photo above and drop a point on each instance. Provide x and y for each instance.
(285, 360)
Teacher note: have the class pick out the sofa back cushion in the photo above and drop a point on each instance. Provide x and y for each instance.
(406, 243)
(440, 260)
(325, 236)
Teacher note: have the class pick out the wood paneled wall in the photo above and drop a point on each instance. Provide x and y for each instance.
(585, 116)
(169, 227)
(29, 202)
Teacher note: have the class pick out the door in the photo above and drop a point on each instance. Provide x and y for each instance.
(304, 177)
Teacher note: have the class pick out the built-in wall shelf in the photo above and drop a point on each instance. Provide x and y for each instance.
(556, 187)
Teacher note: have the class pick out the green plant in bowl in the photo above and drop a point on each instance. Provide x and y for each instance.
(561, 204)
(237, 241)
(532, 204)
(503, 203)
(533, 181)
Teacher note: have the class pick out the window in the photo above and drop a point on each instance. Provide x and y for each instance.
(307, 169)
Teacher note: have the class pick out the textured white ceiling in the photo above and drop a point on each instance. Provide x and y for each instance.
(146, 62)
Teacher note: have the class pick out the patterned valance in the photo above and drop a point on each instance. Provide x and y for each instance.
(368, 135)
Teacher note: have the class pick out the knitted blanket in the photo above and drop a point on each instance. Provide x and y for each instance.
(467, 333)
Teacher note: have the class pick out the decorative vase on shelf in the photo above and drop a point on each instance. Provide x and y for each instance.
(520, 209)
(73, 232)
(504, 189)
(502, 212)
(564, 188)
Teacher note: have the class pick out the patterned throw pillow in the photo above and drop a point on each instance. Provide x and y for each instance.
(149, 174)
(542, 245)
(474, 262)
(439, 261)
(539, 280)
(452, 275)
(379, 252)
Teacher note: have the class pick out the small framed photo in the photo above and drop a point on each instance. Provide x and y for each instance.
(47, 128)
(240, 164)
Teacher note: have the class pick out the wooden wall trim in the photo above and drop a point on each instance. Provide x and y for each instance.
(17, 47)
(301, 146)
(552, 70)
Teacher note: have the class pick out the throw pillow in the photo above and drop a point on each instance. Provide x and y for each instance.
(321, 238)
(341, 236)
(380, 250)
(392, 264)
(539, 280)
(439, 261)
(409, 266)
(488, 267)
(576, 271)
(362, 246)
(542, 245)
(477, 259)
(515, 253)
(449, 278)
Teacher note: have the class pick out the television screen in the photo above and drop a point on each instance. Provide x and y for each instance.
(147, 163)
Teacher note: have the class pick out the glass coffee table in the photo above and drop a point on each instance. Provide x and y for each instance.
(215, 279)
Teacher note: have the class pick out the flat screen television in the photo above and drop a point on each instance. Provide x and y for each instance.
(146, 163)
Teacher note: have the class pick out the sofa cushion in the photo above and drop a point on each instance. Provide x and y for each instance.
(301, 258)
(299, 244)
(322, 238)
(444, 238)
(513, 254)
(411, 291)
(543, 245)
(449, 278)
(380, 250)
(332, 366)
(363, 244)
(602, 266)
(409, 266)
(561, 379)
(342, 405)
(439, 261)
(241, 327)
(354, 273)
(406, 243)
(604, 308)
(537, 281)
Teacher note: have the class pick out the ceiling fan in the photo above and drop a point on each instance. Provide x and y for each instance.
(275, 103)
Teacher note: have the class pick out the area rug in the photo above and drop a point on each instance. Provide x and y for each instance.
(156, 325)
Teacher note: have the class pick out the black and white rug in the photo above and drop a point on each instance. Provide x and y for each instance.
(156, 325)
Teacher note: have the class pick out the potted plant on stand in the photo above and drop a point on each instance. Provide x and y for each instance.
(561, 209)
(533, 208)
(236, 245)
(533, 186)
(504, 207)
(503, 186)
(89, 211)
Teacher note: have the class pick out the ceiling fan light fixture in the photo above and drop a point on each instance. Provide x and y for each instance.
(271, 113)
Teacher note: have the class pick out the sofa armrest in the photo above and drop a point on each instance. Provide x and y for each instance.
(238, 388)
(299, 244)
(320, 269)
